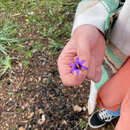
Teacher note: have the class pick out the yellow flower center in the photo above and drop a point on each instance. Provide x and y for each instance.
(78, 66)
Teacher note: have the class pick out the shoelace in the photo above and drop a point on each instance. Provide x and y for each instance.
(104, 115)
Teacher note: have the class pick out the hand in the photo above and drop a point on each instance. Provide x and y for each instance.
(88, 44)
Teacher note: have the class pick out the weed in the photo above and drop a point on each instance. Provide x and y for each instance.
(83, 124)
(5, 64)
(8, 31)
(25, 63)
(55, 47)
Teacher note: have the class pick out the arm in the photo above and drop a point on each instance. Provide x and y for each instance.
(95, 12)
(86, 42)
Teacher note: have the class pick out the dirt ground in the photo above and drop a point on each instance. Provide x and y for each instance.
(35, 99)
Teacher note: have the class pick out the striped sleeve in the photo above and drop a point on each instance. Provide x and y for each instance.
(94, 12)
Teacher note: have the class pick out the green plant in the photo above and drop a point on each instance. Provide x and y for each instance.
(25, 63)
(83, 124)
(55, 47)
(7, 34)
(5, 65)
(8, 31)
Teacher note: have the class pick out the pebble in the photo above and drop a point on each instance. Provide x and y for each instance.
(49, 75)
(77, 108)
(81, 86)
(64, 122)
(21, 128)
(24, 106)
(44, 80)
(34, 50)
(22, 123)
(10, 99)
(42, 120)
(40, 111)
(39, 79)
(84, 108)
(29, 126)
(30, 13)
(43, 63)
(31, 115)
(86, 117)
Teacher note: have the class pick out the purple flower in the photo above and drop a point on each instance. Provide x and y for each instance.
(77, 66)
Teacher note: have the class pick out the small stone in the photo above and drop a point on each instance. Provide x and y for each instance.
(22, 123)
(44, 80)
(34, 50)
(49, 75)
(40, 111)
(43, 63)
(31, 79)
(20, 65)
(31, 115)
(81, 86)
(64, 122)
(24, 106)
(39, 79)
(21, 128)
(10, 99)
(40, 122)
(29, 126)
(84, 108)
(43, 118)
(86, 117)
(30, 13)
(77, 108)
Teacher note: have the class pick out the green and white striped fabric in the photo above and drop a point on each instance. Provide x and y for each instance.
(95, 12)
(98, 13)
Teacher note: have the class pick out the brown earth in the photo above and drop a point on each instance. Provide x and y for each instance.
(28, 94)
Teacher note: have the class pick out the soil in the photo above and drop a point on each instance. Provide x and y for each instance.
(34, 98)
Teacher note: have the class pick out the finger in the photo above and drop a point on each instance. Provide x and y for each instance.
(98, 74)
(92, 69)
(83, 52)
(66, 57)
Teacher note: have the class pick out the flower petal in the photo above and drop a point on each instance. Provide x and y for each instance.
(82, 62)
(77, 60)
(72, 64)
(77, 71)
(84, 67)
(72, 70)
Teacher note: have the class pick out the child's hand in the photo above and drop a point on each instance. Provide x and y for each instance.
(88, 44)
